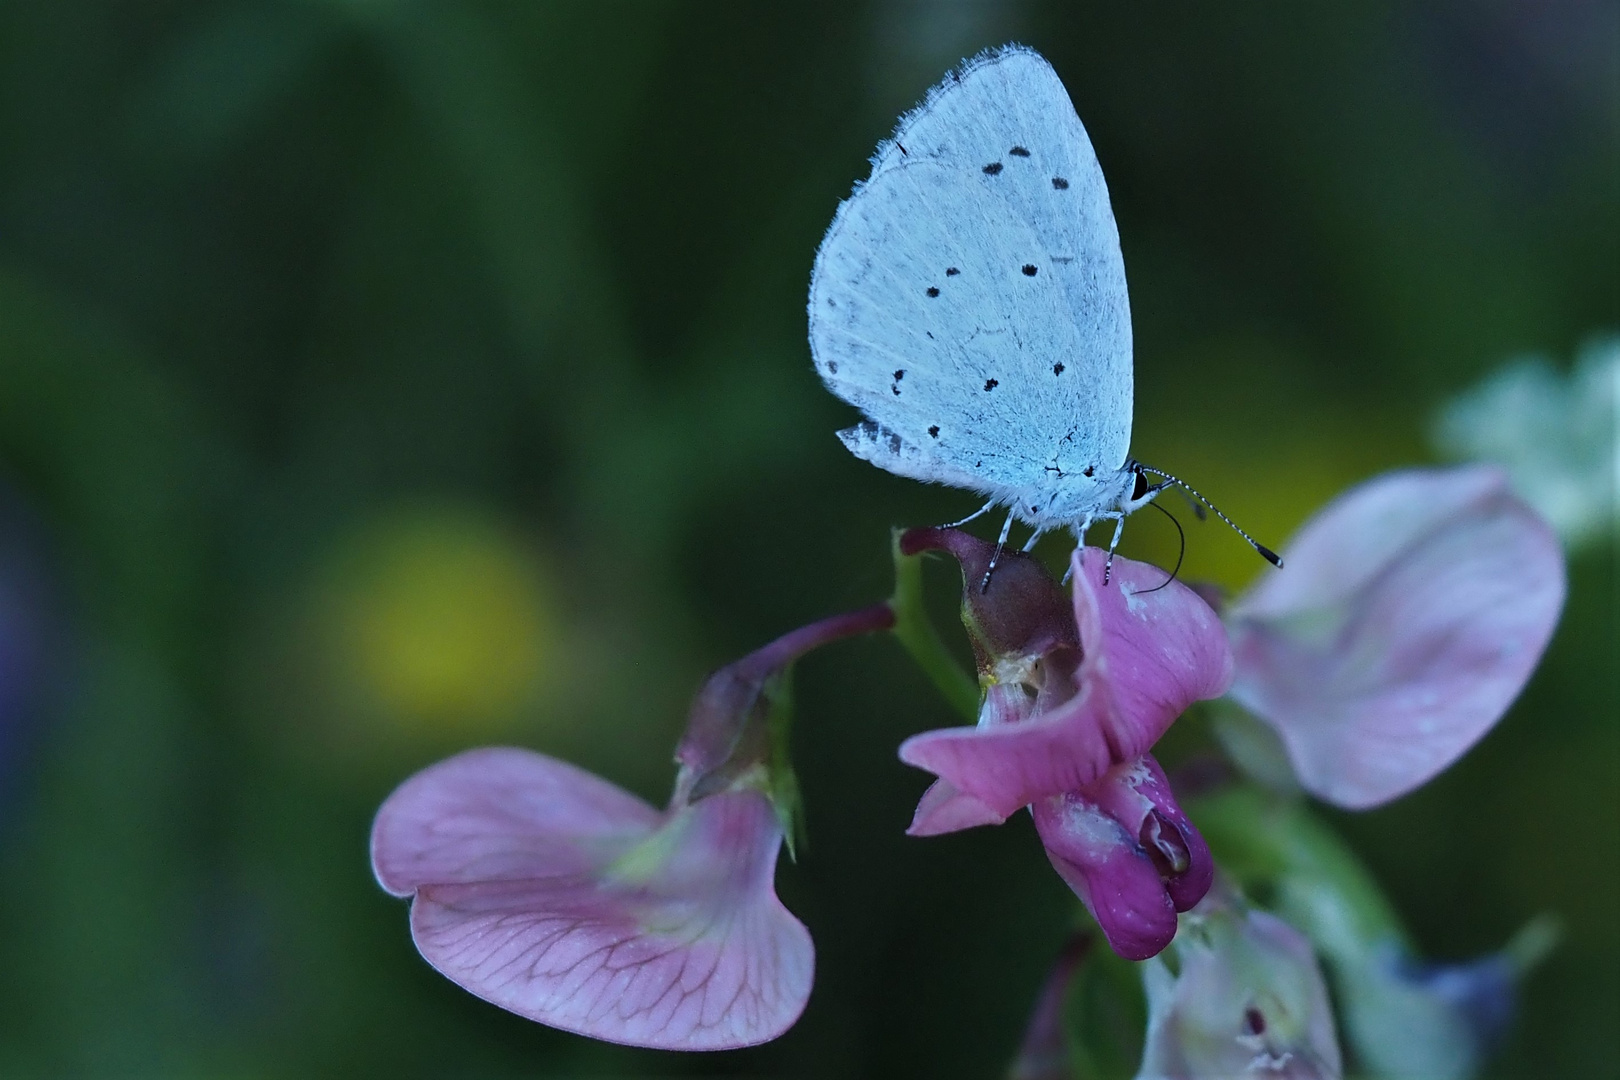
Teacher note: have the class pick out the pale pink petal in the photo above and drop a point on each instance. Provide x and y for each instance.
(1380, 667)
(1350, 542)
(1110, 873)
(944, 809)
(1247, 1000)
(1147, 653)
(500, 813)
(605, 920)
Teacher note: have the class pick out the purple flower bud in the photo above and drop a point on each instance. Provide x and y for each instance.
(1412, 611)
(1126, 849)
(1247, 1000)
(1021, 613)
(1045, 1052)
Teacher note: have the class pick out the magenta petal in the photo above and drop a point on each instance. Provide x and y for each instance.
(1138, 796)
(1147, 653)
(549, 892)
(1109, 872)
(944, 809)
(1411, 613)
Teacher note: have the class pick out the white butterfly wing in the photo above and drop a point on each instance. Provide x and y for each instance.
(992, 177)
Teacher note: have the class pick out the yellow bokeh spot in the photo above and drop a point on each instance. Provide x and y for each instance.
(443, 619)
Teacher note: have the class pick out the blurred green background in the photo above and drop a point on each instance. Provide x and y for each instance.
(380, 379)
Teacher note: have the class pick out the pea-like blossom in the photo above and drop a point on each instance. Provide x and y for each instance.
(1077, 690)
(1246, 999)
(1412, 611)
(554, 894)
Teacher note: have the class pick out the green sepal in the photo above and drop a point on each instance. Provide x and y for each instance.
(917, 635)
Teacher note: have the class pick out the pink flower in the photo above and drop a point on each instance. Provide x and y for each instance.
(554, 894)
(1412, 611)
(1075, 695)
(1247, 999)
(549, 892)
(1146, 653)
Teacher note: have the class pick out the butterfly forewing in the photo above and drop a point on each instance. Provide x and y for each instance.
(981, 253)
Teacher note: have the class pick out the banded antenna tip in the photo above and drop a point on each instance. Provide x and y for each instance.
(1270, 556)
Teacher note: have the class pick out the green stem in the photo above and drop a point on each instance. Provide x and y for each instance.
(917, 634)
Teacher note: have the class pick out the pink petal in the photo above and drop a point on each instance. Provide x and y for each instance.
(1138, 796)
(1147, 653)
(1423, 601)
(1110, 873)
(500, 813)
(1248, 999)
(603, 919)
(944, 809)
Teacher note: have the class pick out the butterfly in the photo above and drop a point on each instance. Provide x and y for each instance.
(969, 298)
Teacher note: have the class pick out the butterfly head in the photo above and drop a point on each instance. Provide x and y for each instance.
(1141, 491)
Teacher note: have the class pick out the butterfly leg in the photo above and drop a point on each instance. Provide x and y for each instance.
(980, 512)
(1006, 527)
(1029, 545)
(1080, 541)
(1119, 530)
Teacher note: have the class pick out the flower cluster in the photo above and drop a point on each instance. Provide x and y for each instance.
(1411, 613)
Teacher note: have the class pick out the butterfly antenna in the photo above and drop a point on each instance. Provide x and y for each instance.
(1179, 555)
(1265, 553)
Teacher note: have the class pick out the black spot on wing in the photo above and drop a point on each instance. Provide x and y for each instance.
(990, 384)
(951, 271)
(933, 290)
(874, 432)
(1029, 270)
(1060, 184)
(933, 431)
(1018, 151)
(993, 168)
(832, 367)
(1057, 369)
(900, 374)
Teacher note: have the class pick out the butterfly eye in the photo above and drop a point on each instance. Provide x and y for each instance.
(1141, 486)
